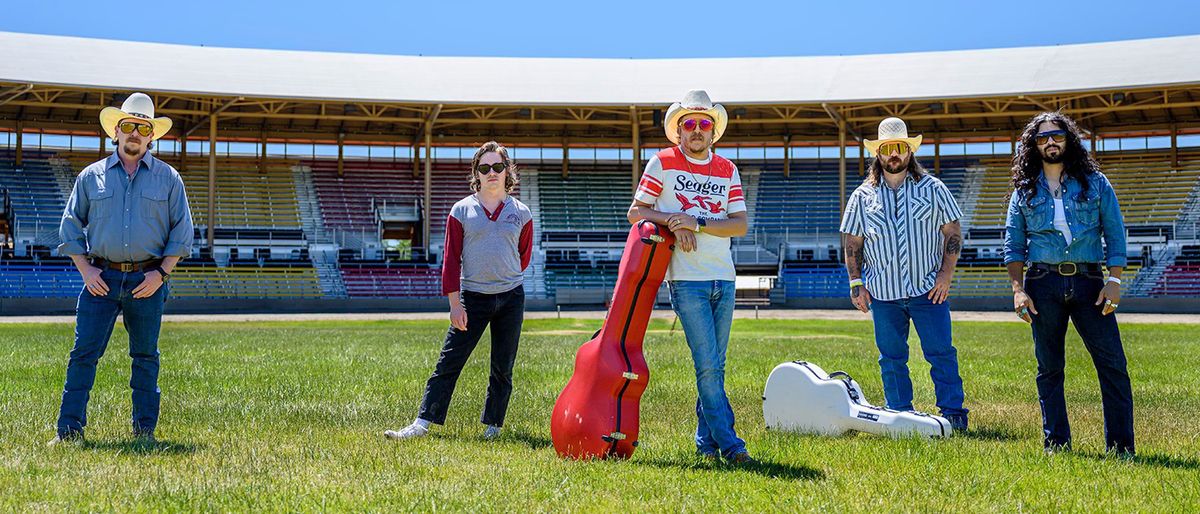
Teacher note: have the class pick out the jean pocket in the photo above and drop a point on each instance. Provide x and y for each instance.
(1036, 273)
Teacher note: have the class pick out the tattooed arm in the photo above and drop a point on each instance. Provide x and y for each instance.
(852, 247)
(952, 234)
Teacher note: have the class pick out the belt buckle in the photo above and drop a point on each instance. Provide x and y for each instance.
(1074, 269)
(126, 267)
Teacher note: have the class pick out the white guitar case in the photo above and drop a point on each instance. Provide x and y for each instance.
(801, 397)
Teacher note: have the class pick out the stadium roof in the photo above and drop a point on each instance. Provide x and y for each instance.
(167, 68)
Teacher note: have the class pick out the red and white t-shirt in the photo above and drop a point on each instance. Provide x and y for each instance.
(710, 189)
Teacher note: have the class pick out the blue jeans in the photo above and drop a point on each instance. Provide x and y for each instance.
(1059, 299)
(94, 320)
(933, 326)
(705, 309)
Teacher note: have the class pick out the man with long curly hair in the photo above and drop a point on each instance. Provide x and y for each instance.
(1060, 210)
(902, 241)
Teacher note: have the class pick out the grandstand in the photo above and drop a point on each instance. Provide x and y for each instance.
(305, 178)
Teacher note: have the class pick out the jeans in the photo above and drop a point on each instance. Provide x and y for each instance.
(95, 317)
(933, 326)
(505, 313)
(705, 309)
(1057, 299)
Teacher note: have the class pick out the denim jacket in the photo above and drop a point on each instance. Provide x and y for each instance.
(1030, 235)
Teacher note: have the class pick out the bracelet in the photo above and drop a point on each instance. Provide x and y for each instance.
(1114, 280)
(856, 283)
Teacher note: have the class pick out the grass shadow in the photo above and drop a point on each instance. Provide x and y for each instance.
(991, 434)
(1156, 459)
(134, 447)
(534, 442)
(765, 468)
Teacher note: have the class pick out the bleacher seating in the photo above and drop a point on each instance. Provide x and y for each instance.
(247, 197)
(385, 280)
(275, 280)
(1182, 277)
(55, 278)
(37, 197)
(1149, 191)
(594, 198)
(814, 280)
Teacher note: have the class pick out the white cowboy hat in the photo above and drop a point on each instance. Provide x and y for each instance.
(695, 101)
(140, 106)
(892, 130)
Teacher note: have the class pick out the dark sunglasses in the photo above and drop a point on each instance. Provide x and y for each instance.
(690, 124)
(487, 169)
(1057, 135)
(128, 127)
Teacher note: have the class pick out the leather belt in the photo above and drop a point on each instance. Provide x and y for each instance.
(126, 267)
(1067, 269)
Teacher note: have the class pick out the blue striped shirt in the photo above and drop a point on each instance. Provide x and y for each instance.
(903, 245)
(122, 219)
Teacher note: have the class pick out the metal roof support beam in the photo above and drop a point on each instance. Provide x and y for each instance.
(212, 116)
(636, 140)
(433, 115)
(14, 93)
(841, 122)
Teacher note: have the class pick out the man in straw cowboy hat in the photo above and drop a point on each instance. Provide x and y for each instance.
(126, 225)
(698, 196)
(902, 240)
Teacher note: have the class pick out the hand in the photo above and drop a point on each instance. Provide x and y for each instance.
(1023, 305)
(861, 298)
(1110, 296)
(458, 317)
(683, 221)
(150, 284)
(941, 287)
(94, 283)
(685, 239)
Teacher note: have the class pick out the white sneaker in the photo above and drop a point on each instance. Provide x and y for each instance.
(491, 432)
(409, 432)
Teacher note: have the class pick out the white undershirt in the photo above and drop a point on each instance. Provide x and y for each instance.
(1060, 220)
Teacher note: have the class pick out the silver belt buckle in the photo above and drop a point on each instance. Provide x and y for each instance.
(1074, 268)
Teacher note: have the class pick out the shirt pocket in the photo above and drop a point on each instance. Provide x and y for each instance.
(153, 206)
(1087, 210)
(876, 222)
(1036, 213)
(922, 209)
(99, 205)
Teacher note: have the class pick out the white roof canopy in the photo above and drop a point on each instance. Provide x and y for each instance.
(154, 67)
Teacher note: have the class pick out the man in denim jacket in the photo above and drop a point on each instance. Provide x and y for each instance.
(1061, 208)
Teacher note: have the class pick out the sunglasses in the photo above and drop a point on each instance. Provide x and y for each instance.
(690, 124)
(487, 169)
(1057, 135)
(894, 147)
(128, 127)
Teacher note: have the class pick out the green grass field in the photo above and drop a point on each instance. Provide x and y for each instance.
(289, 417)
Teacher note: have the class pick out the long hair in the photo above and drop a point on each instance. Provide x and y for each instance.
(511, 178)
(1027, 161)
(875, 171)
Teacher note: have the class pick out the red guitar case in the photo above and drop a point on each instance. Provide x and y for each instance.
(596, 415)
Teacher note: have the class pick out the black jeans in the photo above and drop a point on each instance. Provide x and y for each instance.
(504, 312)
(1057, 299)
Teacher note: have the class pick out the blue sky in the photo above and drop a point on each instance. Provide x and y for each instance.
(617, 29)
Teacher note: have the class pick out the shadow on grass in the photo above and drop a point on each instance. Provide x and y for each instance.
(991, 434)
(1157, 460)
(760, 467)
(534, 442)
(134, 447)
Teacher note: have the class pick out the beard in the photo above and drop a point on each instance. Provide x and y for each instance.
(1057, 158)
(131, 149)
(896, 169)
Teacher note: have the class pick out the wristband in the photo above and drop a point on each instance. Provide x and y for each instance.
(1114, 280)
(856, 283)
(162, 272)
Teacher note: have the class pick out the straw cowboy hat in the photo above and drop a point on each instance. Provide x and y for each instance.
(138, 105)
(892, 130)
(695, 101)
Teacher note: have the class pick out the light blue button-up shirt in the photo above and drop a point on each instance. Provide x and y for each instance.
(127, 219)
(1030, 235)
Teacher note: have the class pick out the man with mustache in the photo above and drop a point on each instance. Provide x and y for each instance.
(698, 196)
(902, 239)
(1060, 209)
(126, 225)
